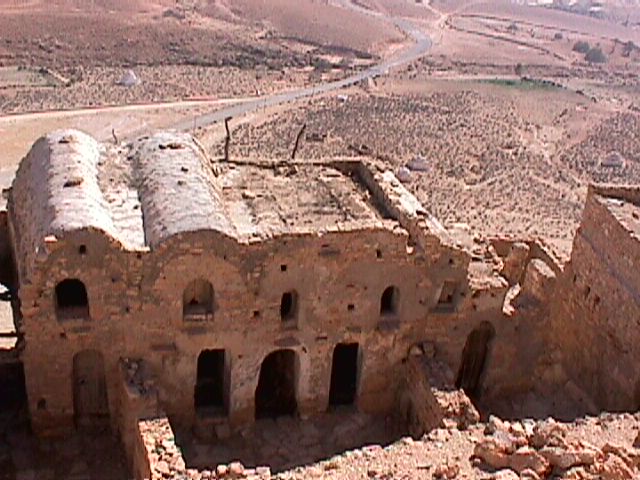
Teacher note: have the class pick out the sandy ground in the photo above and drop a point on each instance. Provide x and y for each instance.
(94, 86)
(179, 50)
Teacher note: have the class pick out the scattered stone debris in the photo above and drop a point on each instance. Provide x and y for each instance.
(543, 449)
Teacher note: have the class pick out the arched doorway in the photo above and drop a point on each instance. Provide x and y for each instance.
(210, 395)
(276, 392)
(474, 357)
(90, 403)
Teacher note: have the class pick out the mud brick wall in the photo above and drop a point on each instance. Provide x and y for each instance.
(136, 311)
(595, 313)
(133, 240)
(417, 404)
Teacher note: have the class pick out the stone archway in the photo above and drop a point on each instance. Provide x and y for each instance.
(474, 357)
(276, 391)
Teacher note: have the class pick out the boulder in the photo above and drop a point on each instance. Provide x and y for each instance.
(564, 459)
(612, 468)
(526, 458)
(129, 79)
(629, 456)
(548, 432)
(236, 470)
(447, 471)
(418, 164)
(505, 474)
(494, 452)
(457, 406)
(528, 474)
(404, 175)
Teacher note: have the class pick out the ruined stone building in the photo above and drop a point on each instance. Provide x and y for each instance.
(151, 281)
(255, 290)
(596, 313)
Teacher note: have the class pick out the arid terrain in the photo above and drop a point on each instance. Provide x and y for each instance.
(503, 156)
(178, 49)
(498, 129)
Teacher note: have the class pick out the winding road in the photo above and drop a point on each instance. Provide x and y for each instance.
(421, 45)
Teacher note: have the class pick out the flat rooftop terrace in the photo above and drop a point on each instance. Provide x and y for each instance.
(270, 200)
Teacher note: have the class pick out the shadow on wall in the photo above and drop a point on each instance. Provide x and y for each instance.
(280, 438)
(287, 442)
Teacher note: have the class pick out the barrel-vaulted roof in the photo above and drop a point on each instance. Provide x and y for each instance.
(159, 186)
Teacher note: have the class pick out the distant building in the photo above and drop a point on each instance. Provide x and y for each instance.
(614, 160)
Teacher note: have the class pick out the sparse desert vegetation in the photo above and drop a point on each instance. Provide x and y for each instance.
(512, 112)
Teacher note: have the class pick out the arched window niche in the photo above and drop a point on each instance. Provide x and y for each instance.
(198, 300)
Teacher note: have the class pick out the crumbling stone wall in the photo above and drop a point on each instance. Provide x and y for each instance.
(136, 303)
(136, 310)
(596, 310)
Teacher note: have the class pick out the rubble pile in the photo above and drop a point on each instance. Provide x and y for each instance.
(166, 461)
(164, 457)
(540, 450)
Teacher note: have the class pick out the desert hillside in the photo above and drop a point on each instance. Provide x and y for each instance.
(151, 32)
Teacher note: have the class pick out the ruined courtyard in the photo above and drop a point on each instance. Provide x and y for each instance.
(372, 239)
(250, 318)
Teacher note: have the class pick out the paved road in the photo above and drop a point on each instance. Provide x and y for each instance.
(422, 43)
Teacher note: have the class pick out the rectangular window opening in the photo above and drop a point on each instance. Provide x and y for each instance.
(289, 307)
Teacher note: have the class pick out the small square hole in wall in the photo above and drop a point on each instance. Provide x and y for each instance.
(256, 314)
(283, 268)
(82, 249)
(378, 253)
(351, 307)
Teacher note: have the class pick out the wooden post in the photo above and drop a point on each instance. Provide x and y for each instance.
(295, 147)
(227, 139)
